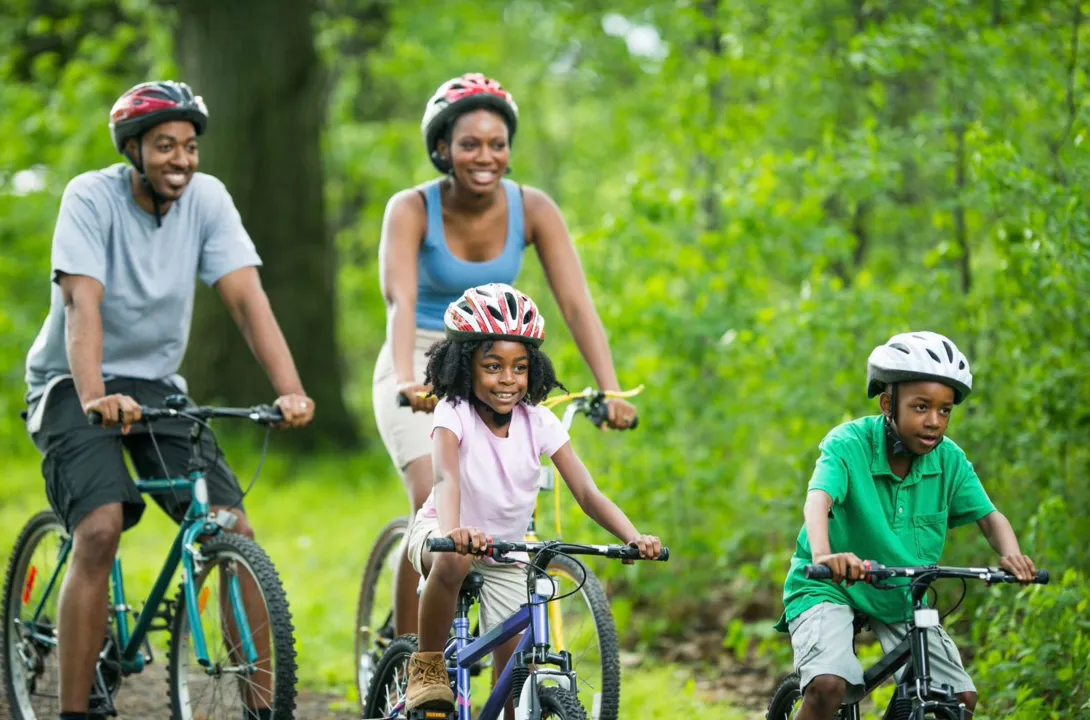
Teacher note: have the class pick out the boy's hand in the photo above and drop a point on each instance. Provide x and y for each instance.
(468, 540)
(1020, 566)
(845, 566)
(650, 547)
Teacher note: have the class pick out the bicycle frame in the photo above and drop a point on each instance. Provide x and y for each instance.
(183, 550)
(465, 653)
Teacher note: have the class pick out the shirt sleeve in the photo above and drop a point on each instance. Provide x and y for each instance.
(969, 501)
(79, 238)
(447, 416)
(549, 432)
(831, 472)
(226, 246)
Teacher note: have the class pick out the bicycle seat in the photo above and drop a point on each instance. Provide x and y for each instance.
(472, 584)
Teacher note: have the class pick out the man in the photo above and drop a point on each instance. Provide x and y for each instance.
(127, 248)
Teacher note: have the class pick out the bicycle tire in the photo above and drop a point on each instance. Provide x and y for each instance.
(394, 660)
(560, 704)
(369, 650)
(239, 548)
(28, 540)
(782, 704)
(594, 595)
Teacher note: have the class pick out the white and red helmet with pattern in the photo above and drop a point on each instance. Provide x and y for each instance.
(496, 311)
(471, 91)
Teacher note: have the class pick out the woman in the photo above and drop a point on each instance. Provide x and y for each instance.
(468, 228)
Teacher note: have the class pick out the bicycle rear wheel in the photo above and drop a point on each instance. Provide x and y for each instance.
(375, 608)
(28, 650)
(583, 625)
(231, 684)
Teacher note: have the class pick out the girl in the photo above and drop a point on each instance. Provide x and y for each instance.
(470, 227)
(489, 435)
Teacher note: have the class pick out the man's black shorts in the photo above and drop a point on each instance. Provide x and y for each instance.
(84, 466)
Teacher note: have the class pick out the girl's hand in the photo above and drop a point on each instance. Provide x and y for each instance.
(650, 547)
(468, 540)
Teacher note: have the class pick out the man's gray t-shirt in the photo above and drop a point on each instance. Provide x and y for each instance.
(149, 273)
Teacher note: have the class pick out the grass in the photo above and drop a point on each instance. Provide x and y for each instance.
(317, 519)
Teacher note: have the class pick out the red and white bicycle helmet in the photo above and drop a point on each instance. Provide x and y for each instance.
(496, 311)
(459, 95)
(148, 104)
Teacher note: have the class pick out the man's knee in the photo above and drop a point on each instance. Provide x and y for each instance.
(826, 691)
(96, 538)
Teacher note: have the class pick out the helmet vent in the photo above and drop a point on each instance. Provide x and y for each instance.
(512, 306)
(933, 355)
(495, 313)
(949, 350)
(961, 365)
(901, 347)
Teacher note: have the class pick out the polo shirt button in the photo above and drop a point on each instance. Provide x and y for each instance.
(901, 510)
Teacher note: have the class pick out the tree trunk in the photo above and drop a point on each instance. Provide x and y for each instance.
(255, 63)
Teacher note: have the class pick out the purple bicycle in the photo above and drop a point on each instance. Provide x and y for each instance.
(542, 682)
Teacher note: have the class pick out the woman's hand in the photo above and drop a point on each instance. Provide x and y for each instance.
(420, 397)
(621, 414)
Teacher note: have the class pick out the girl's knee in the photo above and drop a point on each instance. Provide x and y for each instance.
(450, 569)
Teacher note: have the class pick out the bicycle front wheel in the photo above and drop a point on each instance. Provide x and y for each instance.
(232, 686)
(375, 608)
(558, 704)
(28, 643)
(787, 700)
(583, 625)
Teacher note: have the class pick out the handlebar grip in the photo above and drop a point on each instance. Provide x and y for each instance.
(94, 417)
(1042, 577)
(819, 572)
(440, 544)
(402, 400)
(665, 554)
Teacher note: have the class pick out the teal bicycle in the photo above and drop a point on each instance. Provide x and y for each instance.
(232, 646)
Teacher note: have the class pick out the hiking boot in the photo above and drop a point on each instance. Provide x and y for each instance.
(429, 684)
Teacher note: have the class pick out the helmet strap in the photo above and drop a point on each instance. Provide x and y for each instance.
(500, 419)
(138, 164)
(893, 437)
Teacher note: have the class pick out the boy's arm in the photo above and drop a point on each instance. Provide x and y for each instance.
(816, 513)
(997, 529)
(597, 506)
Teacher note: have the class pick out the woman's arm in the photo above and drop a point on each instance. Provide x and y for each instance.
(403, 228)
(549, 233)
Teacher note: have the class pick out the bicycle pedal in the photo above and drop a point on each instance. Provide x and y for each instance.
(431, 715)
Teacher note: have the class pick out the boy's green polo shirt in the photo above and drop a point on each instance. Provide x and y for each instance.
(880, 517)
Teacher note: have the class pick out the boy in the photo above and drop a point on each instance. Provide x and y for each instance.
(886, 488)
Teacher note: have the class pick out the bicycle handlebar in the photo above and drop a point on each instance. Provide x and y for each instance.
(260, 414)
(592, 403)
(875, 571)
(500, 548)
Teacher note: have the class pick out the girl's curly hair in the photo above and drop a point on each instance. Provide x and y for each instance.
(450, 371)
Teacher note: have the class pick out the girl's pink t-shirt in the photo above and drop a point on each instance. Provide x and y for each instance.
(498, 476)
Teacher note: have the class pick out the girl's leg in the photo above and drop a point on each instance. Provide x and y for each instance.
(429, 686)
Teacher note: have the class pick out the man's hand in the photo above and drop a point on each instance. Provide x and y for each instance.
(650, 547)
(845, 566)
(1020, 566)
(298, 409)
(115, 409)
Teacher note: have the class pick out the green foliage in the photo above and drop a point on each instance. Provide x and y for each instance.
(759, 195)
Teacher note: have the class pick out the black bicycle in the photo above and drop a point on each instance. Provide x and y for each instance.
(916, 696)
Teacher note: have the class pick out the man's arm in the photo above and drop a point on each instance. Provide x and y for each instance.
(82, 297)
(248, 304)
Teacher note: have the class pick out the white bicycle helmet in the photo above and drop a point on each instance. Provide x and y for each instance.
(495, 311)
(915, 356)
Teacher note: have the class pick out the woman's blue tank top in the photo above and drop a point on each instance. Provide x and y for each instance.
(443, 277)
